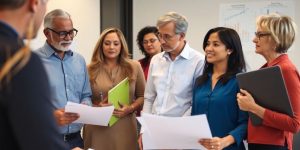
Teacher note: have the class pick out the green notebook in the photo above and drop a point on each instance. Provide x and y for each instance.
(118, 94)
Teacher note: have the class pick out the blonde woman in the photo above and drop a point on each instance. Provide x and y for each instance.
(274, 35)
(111, 64)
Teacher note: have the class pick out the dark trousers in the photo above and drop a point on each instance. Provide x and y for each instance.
(266, 147)
(73, 140)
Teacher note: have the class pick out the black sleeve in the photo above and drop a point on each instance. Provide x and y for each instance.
(30, 111)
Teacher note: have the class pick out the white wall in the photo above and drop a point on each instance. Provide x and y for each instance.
(86, 18)
(202, 16)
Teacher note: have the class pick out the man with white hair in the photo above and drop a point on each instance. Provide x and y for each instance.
(67, 73)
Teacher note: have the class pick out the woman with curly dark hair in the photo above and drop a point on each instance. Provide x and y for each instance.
(149, 45)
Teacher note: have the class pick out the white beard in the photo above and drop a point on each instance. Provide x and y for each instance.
(59, 46)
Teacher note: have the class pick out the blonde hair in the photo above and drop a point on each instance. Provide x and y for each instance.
(281, 28)
(98, 58)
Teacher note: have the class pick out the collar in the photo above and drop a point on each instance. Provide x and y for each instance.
(49, 50)
(276, 61)
(185, 53)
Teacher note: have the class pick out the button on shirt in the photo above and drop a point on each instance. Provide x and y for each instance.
(170, 83)
(68, 79)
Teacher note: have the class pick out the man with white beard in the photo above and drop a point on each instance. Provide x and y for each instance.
(67, 73)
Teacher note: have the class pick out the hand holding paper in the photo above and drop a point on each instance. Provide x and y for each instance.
(64, 118)
(217, 142)
(90, 115)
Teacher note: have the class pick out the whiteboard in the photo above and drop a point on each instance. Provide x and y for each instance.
(202, 16)
(241, 16)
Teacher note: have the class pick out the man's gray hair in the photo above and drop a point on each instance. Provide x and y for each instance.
(48, 20)
(180, 21)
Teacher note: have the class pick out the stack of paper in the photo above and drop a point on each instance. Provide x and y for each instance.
(90, 115)
(174, 132)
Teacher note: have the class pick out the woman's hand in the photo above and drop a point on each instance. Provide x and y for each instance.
(247, 103)
(217, 143)
(123, 111)
(245, 100)
(102, 103)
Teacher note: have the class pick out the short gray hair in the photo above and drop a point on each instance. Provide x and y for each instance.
(180, 21)
(48, 20)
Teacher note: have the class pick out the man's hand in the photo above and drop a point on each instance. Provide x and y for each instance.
(64, 118)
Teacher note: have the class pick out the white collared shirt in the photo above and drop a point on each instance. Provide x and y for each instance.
(169, 88)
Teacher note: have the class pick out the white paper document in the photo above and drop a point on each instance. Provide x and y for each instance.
(162, 132)
(90, 115)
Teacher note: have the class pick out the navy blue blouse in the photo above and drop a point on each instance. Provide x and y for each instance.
(223, 113)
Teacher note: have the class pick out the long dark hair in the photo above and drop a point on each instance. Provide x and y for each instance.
(235, 63)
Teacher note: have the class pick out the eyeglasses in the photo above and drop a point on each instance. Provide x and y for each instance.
(63, 34)
(165, 37)
(145, 42)
(261, 34)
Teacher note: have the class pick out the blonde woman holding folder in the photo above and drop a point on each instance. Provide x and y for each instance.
(273, 37)
(110, 65)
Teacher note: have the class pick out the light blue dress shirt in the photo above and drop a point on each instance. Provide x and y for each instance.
(169, 87)
(68, 79)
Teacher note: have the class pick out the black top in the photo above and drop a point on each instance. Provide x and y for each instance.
(26, 113)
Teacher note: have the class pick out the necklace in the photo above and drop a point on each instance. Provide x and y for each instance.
(112, 74)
